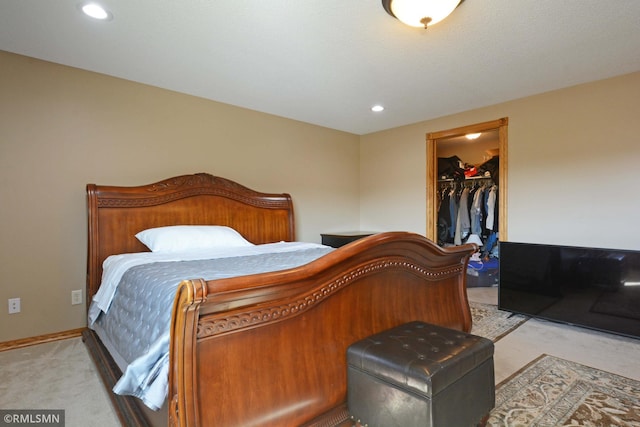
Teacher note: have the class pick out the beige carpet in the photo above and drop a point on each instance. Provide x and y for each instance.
(555, 392)
(56, 375)
(489, 322)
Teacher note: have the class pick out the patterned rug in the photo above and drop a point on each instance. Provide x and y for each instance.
(489, 322)
(555, 392)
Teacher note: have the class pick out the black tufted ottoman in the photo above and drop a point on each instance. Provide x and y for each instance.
(419, 374)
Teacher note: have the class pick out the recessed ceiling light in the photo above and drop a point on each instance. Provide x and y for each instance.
(471, 136)
(96, 11)
(377, 108)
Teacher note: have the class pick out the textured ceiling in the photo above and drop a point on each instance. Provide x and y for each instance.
(327, 62)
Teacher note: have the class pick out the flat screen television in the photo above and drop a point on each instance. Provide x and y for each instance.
(590, 287)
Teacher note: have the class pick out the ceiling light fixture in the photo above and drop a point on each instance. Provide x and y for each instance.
(377, 108)
(96, 11)
(420, 13)
(471, 136)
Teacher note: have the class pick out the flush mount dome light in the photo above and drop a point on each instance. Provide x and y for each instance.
(420, 13)
(96, 11)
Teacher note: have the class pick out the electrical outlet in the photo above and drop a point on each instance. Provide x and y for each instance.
(14, 305)
(76, 297)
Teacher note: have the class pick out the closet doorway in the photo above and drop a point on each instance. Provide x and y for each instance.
(490, 147)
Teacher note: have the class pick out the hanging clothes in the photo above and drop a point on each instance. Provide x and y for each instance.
(463, 225)
(453, 211)
(469, 207)
(491, 206)
(476, 211)
(444, 217)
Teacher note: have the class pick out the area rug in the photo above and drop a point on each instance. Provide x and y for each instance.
(489, 322)
(555, 392)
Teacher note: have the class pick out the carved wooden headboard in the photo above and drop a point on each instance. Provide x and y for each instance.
(116, 214)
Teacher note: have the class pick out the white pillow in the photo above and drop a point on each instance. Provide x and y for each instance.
(178, 238)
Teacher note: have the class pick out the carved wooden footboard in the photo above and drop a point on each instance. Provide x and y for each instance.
(269, 350)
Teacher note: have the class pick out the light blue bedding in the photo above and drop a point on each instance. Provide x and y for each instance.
(138, 320)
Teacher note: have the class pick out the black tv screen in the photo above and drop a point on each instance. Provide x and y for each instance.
(591, 287)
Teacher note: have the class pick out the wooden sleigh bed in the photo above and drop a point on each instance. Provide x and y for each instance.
(268, 349)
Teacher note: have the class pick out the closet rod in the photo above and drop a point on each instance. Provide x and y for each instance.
(472, 178)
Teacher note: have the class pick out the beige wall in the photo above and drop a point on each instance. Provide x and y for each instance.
(61, 128)
(573, 167)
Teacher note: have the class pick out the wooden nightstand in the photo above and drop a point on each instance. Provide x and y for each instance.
(340, 239)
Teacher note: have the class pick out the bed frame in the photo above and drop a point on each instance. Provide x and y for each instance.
(269, 349)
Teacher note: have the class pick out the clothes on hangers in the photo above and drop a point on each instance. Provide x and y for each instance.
(491, 205)
(476, 211)
(465, 208)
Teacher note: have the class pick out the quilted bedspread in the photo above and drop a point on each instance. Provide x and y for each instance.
(138, 320)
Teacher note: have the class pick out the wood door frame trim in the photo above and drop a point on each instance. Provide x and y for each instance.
(432, 171)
